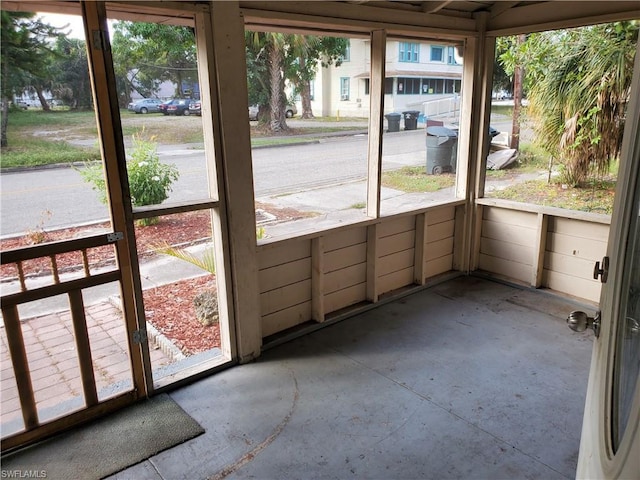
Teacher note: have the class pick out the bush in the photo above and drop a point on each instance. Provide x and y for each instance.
(149, 179)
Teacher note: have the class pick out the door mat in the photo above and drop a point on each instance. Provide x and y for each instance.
(110, 444)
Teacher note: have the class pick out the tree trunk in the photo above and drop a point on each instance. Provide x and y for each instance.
(43, 101)
(305, 92)
(517, 99)
(4, 122)
(277, 122)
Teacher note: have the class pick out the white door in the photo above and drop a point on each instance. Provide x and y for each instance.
(610, 442)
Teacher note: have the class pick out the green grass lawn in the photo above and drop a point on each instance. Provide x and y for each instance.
(415, 179)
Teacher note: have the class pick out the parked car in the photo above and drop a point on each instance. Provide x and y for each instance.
(290, 111)
(179, 106)
(145, 105)
(164, 105)
(195, 108)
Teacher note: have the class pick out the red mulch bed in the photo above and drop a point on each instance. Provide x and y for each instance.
(169, 307)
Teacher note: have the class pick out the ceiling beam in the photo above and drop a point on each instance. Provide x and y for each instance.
(499, 8)
(433, 7)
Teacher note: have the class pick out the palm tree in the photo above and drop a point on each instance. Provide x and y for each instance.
(581, 99)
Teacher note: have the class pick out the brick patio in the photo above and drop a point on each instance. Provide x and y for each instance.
(54, 368)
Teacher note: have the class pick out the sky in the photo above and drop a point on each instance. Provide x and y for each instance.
(74, 22)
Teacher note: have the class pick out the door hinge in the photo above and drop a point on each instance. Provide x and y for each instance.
(139, 336)
(114, 236)
(603, 272)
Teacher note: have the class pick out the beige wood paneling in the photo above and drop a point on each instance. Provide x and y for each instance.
(512, 233)
(515, 270)
(395, 280)
(576, 247)
(345, 257)
(284, 274)
(396, 225)
(285, 297)
(439, 265)
(288, 251)
(441, 230)
(579, 287)
(439, 249)
(506, 250)
(581, 229)
(344, 278)
(344, 238)
(396, 261)
(440, 215)
(569, 265)
(395, 243)
(287, 318)
(510, 217)
(343, 298)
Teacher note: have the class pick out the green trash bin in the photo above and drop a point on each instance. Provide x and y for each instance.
(441, 150)
(411, 119)
(393, 122)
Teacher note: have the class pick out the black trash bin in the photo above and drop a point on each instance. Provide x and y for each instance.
(411, 119)
(393, 121)
(441, 150)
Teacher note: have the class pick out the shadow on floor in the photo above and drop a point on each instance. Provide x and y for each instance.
(469, 379)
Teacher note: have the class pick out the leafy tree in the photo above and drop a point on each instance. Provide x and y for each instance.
(579, 93)
(310, 51)
(24, 55)
(146, 54)
(72, 84)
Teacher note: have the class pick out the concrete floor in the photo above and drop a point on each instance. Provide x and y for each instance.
(469, 379)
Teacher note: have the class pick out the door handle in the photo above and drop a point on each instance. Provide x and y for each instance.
(580, 321)
(603, 272)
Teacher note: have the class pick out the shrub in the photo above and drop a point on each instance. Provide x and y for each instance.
(149, 179)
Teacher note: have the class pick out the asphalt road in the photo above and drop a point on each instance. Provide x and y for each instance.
(59, 197)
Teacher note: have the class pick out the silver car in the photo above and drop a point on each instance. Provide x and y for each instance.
(145, 105)
(290, 111)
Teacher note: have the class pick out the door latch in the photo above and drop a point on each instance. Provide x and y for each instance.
(580, 321)
(603, 272)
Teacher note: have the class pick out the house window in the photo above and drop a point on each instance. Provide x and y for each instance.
(344, 88)
(451, 56)
(388, 86)
(408, 86)
(347, 52)
(437, 54)
(432, 85)
(409, 52)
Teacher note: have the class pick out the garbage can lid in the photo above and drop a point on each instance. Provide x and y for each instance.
(437, 131)
(393, 115)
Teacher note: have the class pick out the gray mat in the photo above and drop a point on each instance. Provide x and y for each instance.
(110, 444)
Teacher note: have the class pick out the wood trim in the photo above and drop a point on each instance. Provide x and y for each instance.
(20, 365)
(54, 248)
(372, 263)
(419, 261)
(539, 250)
(458, 237)
(158, 211)
(317, 279)
(105, 97)
(59, 288)
(549, 211)
(83, 346)
(376, 122)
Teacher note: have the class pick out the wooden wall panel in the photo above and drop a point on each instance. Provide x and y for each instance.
(345, 277)
(345, 257)
(395, 280)
(344, 238)
(506, 250)
(396, 243)
(441, 230)
(284, 252)
(507, 268)
(439, 265)
(285, 297)
(439, 248)
(579, 287)
(284, 274)
(512, 233)
(397, 225)
(395, 261)
(287, 318)
(344, 298)
(440, 215)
